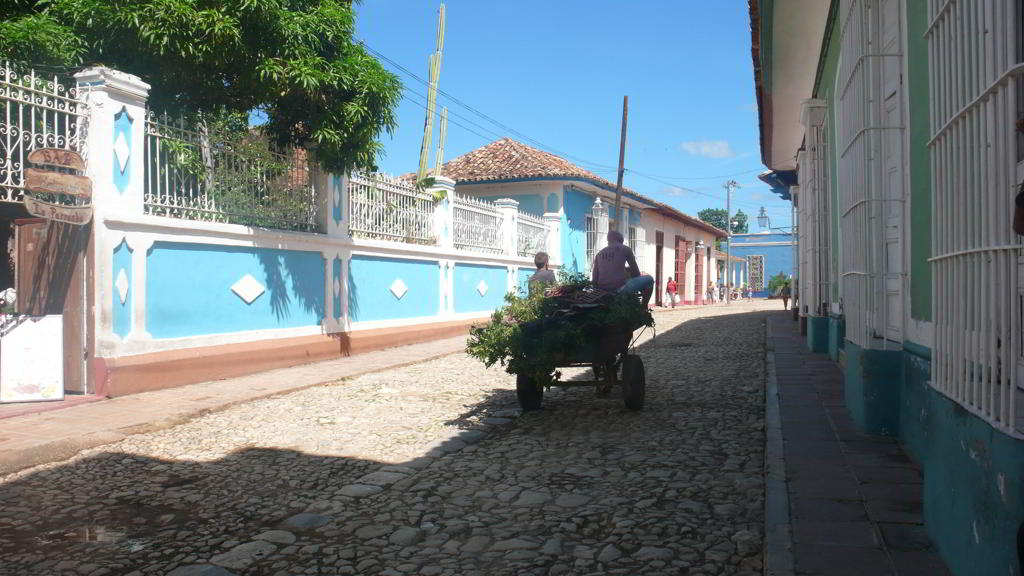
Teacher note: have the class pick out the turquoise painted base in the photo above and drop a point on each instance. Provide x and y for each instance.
(871, 383)
(817, 334)
(836, 336)
(973, 477)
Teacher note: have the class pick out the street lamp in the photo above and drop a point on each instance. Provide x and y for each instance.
(762, 219)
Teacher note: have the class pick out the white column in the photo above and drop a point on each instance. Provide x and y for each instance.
(338, 214)
(509, 225)
(444, 211)
(553, 220)
(115, 162)
(115, 141)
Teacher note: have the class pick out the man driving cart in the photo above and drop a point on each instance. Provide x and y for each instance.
(615, 270)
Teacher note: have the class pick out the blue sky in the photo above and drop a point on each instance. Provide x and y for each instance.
(556, 71)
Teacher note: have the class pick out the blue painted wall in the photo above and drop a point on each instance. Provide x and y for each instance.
(369, 288)
(973, 477)
(122, 129)
(577, 205)
(188, 289)
(123, 320)
(336, 199)
(468, 276)
(777, 258)
(523, 276)
(336, 287)
(532, 203)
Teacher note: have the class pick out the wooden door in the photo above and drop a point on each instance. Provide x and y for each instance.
(680, 268)
(698, 284)
(50, 280)
(659, 241)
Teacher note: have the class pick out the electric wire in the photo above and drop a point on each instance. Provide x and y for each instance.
(483, 115)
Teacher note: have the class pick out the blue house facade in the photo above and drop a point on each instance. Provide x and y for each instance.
(767, 253)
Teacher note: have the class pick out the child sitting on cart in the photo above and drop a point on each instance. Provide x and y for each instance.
(610, 270)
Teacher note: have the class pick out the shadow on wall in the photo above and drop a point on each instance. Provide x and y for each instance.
(284, 267)
(58, 253)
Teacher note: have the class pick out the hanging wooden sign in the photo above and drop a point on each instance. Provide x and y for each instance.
(57, 157)
(75, 190)
(69, 213)
(46, 182)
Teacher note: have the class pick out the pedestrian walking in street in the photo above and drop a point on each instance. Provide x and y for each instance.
(673, 291)
(709, 293)
(785, 293)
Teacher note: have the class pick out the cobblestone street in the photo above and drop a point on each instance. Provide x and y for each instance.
(429, 469)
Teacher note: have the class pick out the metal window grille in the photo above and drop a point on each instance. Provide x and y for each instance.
(477, 225)
(815, 214)
(385, 208)
(197, 176)
(637, 245)
(869, 143)
(36, 111)
(597, 230)
(755, 264)
(974, 70)
(531, 234)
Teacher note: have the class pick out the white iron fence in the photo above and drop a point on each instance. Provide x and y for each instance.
(36, 111)
(975, 68)
(532, 235)
(197, 175)
(384, 208)
(477, 225)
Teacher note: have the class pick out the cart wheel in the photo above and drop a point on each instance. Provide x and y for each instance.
(529, 394)
(634, 382)
(605, 379)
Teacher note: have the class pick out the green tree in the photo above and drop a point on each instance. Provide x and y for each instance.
(776, 282)
(740, 218)
(717, 217)
(293, 60)
(714, 216)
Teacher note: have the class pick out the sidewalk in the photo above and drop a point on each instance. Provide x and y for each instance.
(854, 500)
(33, 439)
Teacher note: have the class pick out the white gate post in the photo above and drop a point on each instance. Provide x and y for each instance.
(509, 225)
(444, 211)
(553, 220)
(115, 162)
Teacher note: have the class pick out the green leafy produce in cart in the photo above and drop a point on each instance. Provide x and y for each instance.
(534, 334)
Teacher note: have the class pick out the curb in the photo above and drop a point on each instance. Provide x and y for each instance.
(778, 536)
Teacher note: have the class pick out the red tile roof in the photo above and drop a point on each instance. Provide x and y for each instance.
(507, 159)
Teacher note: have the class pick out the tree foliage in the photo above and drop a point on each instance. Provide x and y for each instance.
(775, 283)
(718, 218)
(742, 226)
(294, 60)
(714, 216)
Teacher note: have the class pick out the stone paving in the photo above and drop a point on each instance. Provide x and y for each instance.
(429, 469)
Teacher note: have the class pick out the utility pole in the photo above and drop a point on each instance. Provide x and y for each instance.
(622, 168)
(728, 239)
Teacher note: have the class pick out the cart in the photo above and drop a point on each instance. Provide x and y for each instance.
(608, 356)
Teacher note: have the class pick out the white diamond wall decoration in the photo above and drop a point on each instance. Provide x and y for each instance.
(122, 151)
(482, 288)
(248, 289)
(337, 287)
(398, 288)
(122, 286)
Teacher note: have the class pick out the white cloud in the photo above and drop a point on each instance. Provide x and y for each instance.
(675, 191)
(708, 148)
